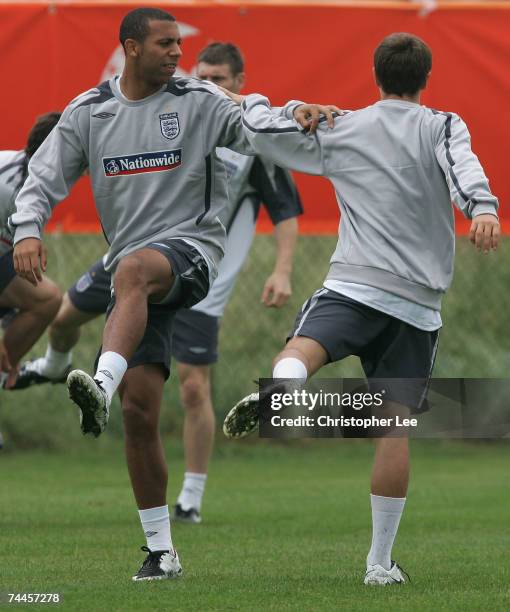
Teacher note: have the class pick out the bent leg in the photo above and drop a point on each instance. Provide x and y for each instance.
(64, 332)
(139, 276)
(307, 351)
(37, 308)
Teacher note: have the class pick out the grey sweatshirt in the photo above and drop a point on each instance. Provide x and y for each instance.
(396, 167)
(152, 164)
(11, 177)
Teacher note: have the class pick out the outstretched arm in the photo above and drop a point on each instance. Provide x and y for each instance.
(278, 139)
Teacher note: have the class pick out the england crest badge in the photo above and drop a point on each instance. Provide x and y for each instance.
(169, 124)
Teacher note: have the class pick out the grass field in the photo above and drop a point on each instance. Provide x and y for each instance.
(286, 527)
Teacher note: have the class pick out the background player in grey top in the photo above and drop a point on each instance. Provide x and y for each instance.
(195, 331)
(149, 142)
(396, 166)
(251, 180)
(33, 307)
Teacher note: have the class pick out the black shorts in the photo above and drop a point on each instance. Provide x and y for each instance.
(195, 337)
(190, 287)
(7, 272)
(91, 293)
(387, 347)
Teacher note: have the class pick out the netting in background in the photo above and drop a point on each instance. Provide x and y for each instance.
(473, 343)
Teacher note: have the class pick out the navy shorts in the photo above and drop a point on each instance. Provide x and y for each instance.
(91, 293)
(387, 347)
(190, 287)
(195, 338)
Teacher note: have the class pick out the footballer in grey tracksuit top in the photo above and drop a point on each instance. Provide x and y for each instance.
(152, 162)
(396, 230)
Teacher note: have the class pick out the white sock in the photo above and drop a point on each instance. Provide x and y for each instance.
(192, 491)
(156, 526)
(386, 513)
(290, 367)
(111, 367)
(54, 363)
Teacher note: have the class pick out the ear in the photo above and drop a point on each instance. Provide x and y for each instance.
(241, 80)
(131, 47)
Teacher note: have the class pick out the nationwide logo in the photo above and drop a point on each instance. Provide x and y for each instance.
(156, 161)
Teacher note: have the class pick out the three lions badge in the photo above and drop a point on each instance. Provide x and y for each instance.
(169, 124)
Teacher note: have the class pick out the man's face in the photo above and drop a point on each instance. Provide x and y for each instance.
(159, 54)
(221, 74)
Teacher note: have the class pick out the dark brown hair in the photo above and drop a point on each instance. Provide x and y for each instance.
(402, 63)
(223, 53)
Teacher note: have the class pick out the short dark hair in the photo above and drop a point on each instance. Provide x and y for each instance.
(223, 53)
(136, 23)
(40, 130)
(402, 63)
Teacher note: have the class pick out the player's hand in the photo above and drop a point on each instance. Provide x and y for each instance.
(234, 97)
(30, 260)
(484, 232)
(308, 115)
(277, 290)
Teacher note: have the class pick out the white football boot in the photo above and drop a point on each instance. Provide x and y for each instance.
(376, 574)
(92, 401)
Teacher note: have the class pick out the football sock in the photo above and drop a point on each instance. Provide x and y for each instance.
(386, 513)
(54, 363)
(290, 367)
(156, 527)
(111, 367)
(192, 491)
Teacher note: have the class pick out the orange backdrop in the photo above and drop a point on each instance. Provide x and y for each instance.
(50, 53)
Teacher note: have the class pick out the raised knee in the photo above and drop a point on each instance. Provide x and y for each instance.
(130, 273)
(47, 301)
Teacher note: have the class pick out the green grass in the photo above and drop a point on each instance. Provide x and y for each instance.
(286, 527)
(474, 342)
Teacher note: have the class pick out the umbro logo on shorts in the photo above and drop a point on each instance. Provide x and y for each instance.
(198, 350)
(155, 161)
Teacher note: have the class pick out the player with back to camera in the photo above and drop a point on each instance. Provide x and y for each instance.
(195, 330)
(148, 140)
(393, 262)
(27, 309)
